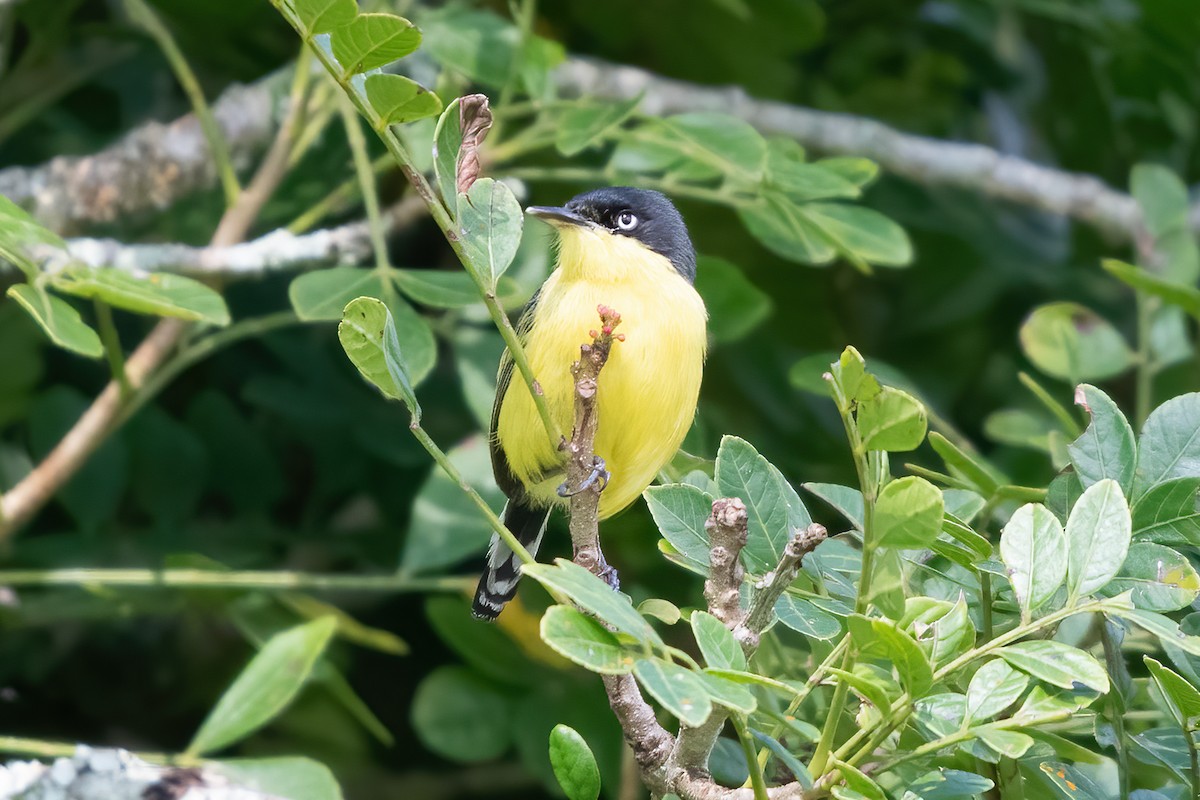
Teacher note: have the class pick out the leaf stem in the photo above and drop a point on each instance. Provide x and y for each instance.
(1115, 706)
(452, 472)
(370, 197)
(1144, 392)
(275, 580)
(756, 775)
(146, 18)
(340, 197)
(112, 347)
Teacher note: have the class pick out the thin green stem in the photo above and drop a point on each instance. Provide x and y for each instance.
(969, 733)
(1115, 706)
(338, 199)
(1144, 391)
(276, 580)
(585, 175)
(756, 775)
(112, 347)
(524, 18)
(452, 472)
(141, 13)
(1070, 424)
(41, 748)
(200, 349)
(813, 681)
(366, 181)
(441, 215)
(1189, 736)
(985, 604)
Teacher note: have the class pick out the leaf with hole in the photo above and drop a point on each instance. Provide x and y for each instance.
(1160, 579)
(1071, 342)
(1106, 449)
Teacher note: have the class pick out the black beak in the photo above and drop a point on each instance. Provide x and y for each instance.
(558, 216)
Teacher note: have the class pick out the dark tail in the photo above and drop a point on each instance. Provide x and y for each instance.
(499, 581)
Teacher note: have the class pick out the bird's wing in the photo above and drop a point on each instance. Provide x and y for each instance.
(505, 479)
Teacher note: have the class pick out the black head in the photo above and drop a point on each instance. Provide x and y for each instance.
(640, 214)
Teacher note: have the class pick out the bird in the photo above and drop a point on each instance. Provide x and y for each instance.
(629, 249)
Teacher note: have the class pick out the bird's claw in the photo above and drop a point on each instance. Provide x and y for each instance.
(598, 473)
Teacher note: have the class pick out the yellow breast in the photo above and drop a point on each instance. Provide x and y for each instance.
(649, 387)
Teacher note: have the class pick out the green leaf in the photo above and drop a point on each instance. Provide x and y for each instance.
(1011, 744)
(447, 139)
(58, 320)
(858, 783)
(21, 236)
(486, 649)
(1057, 664)
(445, 289)
(574, 765)
(741, 472)
(368, 335)
(1162, 197)
(322, 295)
(265, 687)
(1071, 342)
(1098, 536)
(584, 640)
(735, 305)
(161, 294)
(322, 16)
(979, 474)
(716, 642)
(862, 235)
(594, 595)
(908, 514)
(1033, 547)
(582, 125)
(661, 610)
(1184, 697)
(678, 690)
(1177, 294)
(1169, 513)
(878, 638)
(1165, 628)
(1169, 446)
(490, 221)
(728, 693)
(891, 420)
(787, 171)
(783, 228)
(373, 40)
(994, 687)
(1019, 428)
(859, 171)
(460, 716)
(805, 618)
(478, 44)
(451, 527)
(949, 784)
(1159, 578)
(680, 511)
(1072, 783)
(1106, 449)
(399, 99)
(293, 777)
(847, 501)
(728, 143)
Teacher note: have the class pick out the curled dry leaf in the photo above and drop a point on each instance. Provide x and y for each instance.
(475, 119)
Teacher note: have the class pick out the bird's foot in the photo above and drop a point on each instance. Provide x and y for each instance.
(598, 473)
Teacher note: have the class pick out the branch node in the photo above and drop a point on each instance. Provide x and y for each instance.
(726, 528)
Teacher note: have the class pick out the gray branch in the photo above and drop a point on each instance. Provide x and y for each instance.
(157, 164)
(275, 252)
(922, 159)
(116, 775)
(152, 166)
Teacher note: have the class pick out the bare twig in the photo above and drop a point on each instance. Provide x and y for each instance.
(657, 752)
(801, 544)
(726, 529)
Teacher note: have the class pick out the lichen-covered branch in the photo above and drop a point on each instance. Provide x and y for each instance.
(278, 251)
(157, 164)
(726, 529)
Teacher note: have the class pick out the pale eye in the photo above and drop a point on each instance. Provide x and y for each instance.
(626, 221)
